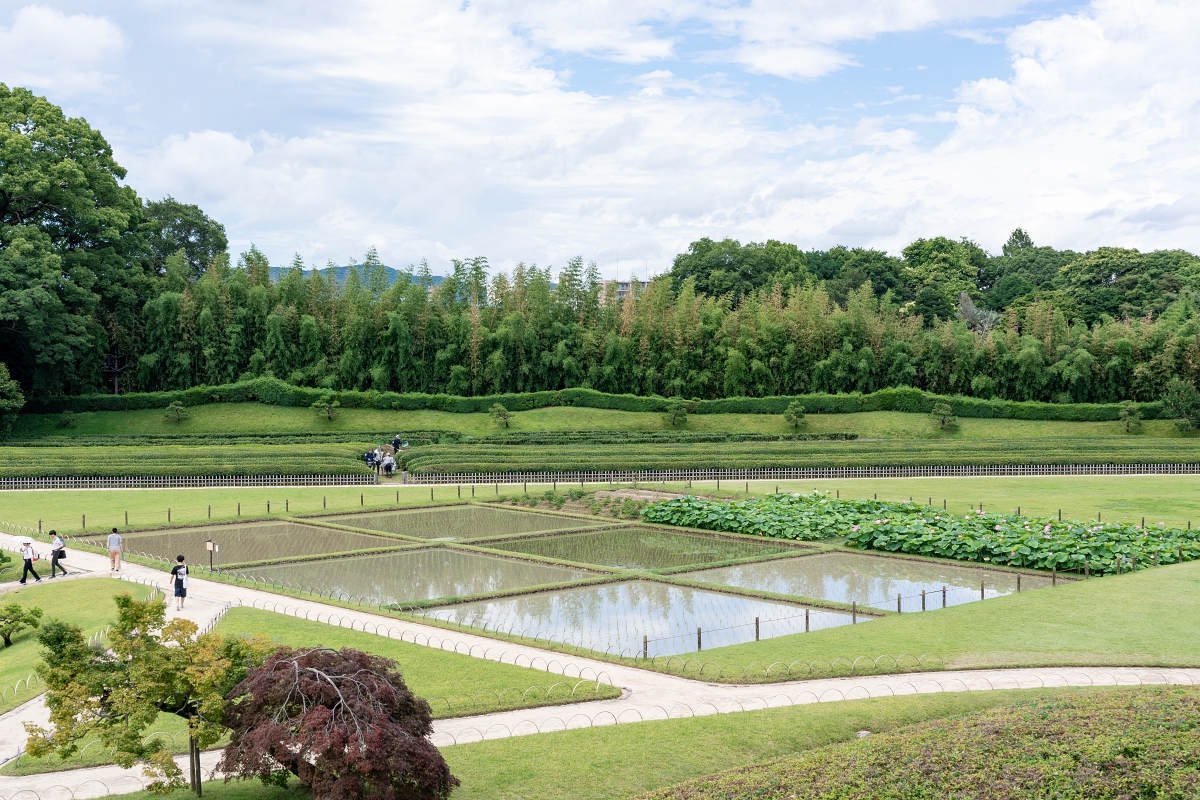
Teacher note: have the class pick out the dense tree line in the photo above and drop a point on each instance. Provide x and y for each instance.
(88, 269)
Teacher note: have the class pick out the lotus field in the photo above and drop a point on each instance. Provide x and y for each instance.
(1006, 539)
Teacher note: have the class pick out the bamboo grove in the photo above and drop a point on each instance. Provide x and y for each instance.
(520, 332)
(99, 287)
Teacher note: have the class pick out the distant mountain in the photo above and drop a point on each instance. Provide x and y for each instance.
(340, 273)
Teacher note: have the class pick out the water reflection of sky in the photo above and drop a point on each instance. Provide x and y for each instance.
(456, 522)
(641, 548)
(615, 617)
(866, 579)
(251, 542)
(424, 574)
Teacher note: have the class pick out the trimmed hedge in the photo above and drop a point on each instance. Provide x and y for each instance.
(485, 457)
(414, 438)
(66, 462)
(273, 391)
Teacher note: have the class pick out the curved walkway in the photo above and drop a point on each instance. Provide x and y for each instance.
(645, 695)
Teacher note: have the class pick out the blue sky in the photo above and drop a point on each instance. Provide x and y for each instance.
(621, 131)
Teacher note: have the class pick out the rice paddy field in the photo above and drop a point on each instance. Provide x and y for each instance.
(618, 588)
(637, 548)
(251, 542)
(457, 522)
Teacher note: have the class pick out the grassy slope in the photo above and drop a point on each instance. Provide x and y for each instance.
(1146, 618)
(86, 603)
(259, 418)
(1094, 745)
(430, 673)
(617, 761)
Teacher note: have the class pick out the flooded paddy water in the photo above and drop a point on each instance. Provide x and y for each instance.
(870, 580)
(628, 614)
(641, 548)
(614, 617)
(259, 541)
(425, 573)
(456, 522)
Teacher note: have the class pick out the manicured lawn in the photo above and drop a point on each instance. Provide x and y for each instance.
(619, 761)
(86, 603)
(1173, 499)
(259, 418)
(1147, 618)
(455, 684)
(63, 509)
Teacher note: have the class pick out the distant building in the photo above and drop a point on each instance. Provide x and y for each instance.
(622, 289)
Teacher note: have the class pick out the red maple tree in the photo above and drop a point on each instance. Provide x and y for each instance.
(342, 721)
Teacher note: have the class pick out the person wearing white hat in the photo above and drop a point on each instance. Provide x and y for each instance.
(29, 554)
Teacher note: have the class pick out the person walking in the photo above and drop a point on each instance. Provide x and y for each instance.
(58, 550)
(30, 555)
(180, 573)
(116, 546)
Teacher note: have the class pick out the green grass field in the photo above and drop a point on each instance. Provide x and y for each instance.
(224, 418)
(86, 603)
(454, 683)
(619, 761)
(1173, 499)
(1144, 618)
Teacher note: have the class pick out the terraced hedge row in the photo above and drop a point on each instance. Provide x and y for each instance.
(214, 439)
(273, 391)
(39, 462)
(485, 457)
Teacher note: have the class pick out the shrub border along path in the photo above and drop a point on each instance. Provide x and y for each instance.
(649, 695)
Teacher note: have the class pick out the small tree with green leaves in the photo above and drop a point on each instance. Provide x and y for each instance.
(794, 415)
(1182, 402)
(327, 406)
(151, 666)
(176, 412)
(500, 415)
(677, 412)
(15, 618)
(1131, 418)
(943, 416)
(66, 419)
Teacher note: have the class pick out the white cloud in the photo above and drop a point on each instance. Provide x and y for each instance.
(469, 139)
(46, 50)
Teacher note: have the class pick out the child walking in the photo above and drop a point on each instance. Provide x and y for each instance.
(180, 573)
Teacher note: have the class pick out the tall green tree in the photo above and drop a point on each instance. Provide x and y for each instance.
(175, 226)
(74, 261)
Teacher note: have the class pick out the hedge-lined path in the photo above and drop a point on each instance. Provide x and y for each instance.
(646, 695)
